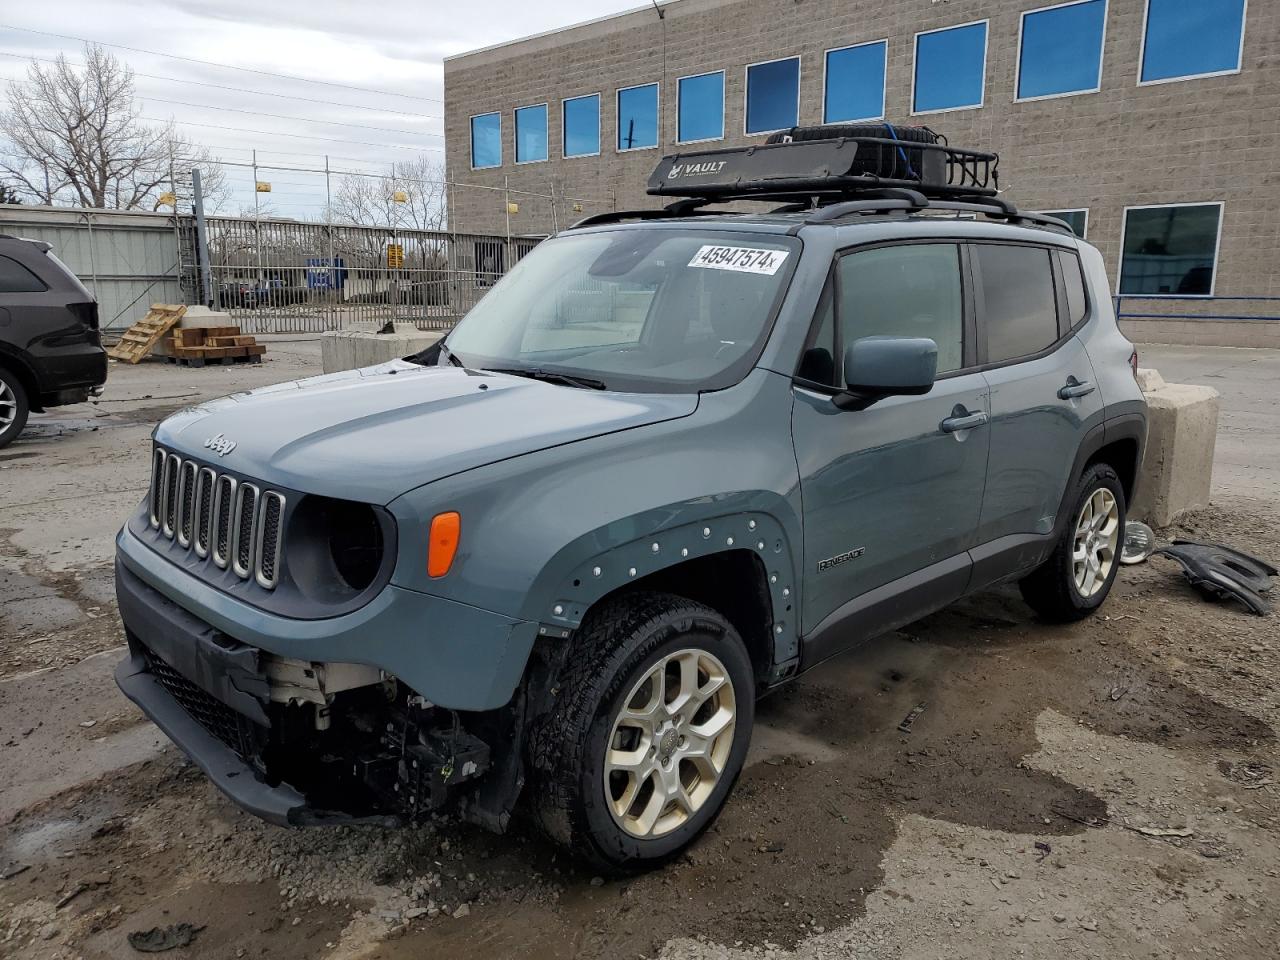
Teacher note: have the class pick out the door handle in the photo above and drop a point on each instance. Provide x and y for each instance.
(1075, 388)
(961, 420)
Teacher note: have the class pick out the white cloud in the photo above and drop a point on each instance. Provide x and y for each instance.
(397, 49)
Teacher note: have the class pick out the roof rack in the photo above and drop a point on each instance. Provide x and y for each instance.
(834, 176)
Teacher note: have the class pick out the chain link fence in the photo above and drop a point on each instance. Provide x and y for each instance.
(323, 249)
(277, 276)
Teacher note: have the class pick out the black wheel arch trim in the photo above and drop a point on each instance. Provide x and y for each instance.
(25, 371)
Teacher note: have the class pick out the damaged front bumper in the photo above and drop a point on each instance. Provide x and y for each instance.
(299, 736)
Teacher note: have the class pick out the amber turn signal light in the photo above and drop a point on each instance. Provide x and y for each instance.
(443, 544)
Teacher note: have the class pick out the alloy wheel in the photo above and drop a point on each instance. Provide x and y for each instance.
(669, 743)
(8, 406)
(1097, 539)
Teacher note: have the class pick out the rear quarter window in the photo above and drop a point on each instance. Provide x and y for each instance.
(15, 278)
(1073, 288)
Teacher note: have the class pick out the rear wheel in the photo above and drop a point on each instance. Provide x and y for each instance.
(648, 734)
(14, 407)
(1078, 575)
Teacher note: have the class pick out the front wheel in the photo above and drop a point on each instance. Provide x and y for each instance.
(648, 734)
(1078, 575)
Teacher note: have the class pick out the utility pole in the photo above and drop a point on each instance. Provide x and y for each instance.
(332, 271)
(257, 227)
(202, 239)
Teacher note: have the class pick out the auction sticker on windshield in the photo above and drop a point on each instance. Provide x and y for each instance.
(741, 259)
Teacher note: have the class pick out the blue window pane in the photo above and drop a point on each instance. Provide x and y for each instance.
(1188, 37)
(949, 68)
(638, 117)
(1061, 49)
(1077, 220)
(855, 83)
(486, 140)
(531, 134)
(773, 91)
(582, 126)
(1170, 251)
(701, 107)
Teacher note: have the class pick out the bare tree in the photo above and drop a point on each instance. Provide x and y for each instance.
(8, 194)
(372, 201)
(75, 133)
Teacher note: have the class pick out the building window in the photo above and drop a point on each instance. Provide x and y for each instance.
(1077, 220)
(773, 95)
(700, 107)
(638, 117)
(531, 134)
(580, 118)
(1060, 51)
(951, 67)
(486, 141)
(853, 85)
(1170, 251)
(1191, 38)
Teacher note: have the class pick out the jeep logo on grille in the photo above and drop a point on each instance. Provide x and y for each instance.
(220, 445)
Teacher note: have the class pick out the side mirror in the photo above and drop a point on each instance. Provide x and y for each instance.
(878, 367)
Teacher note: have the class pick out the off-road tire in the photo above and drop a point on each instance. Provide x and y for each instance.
(1050, 590)
(616, 645)
(11, 387)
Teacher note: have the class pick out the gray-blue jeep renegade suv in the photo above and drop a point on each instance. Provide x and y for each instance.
(674, 458)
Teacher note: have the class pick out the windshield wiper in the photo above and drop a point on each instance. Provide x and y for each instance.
(450, 355)
(551, 376)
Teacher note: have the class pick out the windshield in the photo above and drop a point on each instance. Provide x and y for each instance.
(650, 310)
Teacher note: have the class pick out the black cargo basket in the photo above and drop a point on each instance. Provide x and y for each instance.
(833, 159)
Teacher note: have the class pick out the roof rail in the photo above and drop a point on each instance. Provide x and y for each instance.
(887, 201)
(834, 172)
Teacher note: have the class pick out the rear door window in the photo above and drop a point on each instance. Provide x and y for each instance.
(911, 290)
(1017, 304)
(15, 278)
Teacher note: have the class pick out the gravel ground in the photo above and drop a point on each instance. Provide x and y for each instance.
(1104, 789)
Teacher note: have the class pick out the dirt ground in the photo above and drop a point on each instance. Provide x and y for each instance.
(1111, 788)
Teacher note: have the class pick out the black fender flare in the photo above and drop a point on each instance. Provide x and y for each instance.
(14, 360)
(1131, 425)
(600, 572)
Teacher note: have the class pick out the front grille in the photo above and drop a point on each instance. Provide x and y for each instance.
(269, 538)
(224, 498)
(157, 485)
(246, 518)
(234, 524)
(204, 511)
(186, 501)
(170, 499)
(212, 714)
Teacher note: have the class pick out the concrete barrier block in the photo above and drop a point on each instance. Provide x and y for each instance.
(1177, 469)
(352, 349)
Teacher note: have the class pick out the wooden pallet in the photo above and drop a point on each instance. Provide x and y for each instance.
(201, 361)
(138, 340)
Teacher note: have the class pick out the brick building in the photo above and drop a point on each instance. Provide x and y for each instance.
(1155, 123)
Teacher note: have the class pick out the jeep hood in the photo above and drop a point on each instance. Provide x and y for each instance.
(376, 433)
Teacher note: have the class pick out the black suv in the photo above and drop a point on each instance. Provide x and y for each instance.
(50, 349)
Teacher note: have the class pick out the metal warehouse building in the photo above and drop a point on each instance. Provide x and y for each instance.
(1152, 125)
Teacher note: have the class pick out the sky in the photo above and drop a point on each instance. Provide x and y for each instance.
(393, 52)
